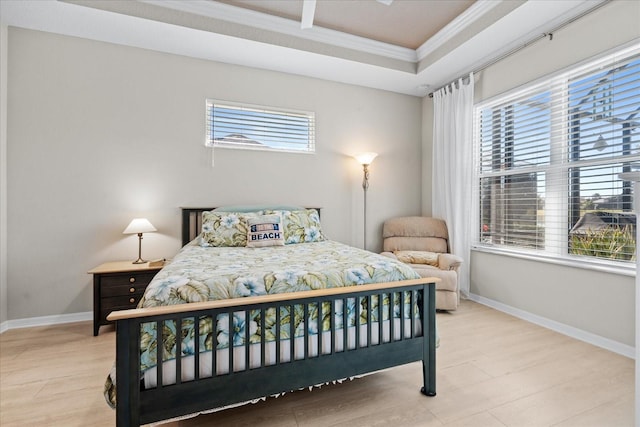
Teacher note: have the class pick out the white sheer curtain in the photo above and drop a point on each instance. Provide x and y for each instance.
(452, 169)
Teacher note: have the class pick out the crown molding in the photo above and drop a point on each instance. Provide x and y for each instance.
(290, 27)
(461, 22)
(285, 26)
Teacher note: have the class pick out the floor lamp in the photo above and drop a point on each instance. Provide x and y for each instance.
(365, 160)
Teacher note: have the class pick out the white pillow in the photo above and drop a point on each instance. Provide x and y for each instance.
(265, 230)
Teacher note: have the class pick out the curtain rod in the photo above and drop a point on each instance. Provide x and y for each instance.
(528, 43)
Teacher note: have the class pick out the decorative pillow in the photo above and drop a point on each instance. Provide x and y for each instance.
(265, 230)
(417, 257)
(300, 226)
(225, 228)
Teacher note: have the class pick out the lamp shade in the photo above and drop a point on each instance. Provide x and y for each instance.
(139, 225)
(366, 158)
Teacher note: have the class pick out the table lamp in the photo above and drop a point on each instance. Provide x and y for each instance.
(139, 226)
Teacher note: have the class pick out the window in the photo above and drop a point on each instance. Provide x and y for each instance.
(253, 127)
(548, 159)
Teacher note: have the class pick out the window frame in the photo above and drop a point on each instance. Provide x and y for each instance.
(559, 164)
(285, 114)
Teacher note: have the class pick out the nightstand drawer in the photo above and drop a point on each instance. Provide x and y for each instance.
(125, 290)
(125, 279)
(118, 303)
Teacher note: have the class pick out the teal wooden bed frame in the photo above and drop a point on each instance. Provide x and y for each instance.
(137, 405)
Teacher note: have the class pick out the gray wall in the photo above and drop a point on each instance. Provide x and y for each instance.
(99, 134)
(596, 302)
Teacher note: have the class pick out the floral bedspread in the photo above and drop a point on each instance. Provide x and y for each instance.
(213, 273)
(209, 273)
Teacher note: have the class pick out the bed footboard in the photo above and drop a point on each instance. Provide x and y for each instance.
(206, 378)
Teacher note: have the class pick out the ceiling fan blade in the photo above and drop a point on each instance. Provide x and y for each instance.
(308, 10)
(385, 2)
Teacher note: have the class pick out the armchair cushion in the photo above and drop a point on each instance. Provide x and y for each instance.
(417, 257)
(415, 233)
(448, 280)
(415, 226)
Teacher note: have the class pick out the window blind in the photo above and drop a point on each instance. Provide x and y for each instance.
(244, 126)
(548, 158)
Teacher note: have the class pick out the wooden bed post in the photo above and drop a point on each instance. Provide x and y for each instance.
(128, 392)
(429, 351)
(186, 226)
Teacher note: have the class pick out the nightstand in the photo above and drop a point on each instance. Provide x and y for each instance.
(118, 286)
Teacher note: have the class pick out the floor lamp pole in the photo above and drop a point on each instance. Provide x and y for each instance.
(365, 187)
(365, 160)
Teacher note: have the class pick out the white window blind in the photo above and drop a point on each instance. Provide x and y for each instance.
(548, 160)
(244, 126)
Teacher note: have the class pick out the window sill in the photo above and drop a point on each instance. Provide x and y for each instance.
(587, 264)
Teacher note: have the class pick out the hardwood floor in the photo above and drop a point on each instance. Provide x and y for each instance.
(493, 370)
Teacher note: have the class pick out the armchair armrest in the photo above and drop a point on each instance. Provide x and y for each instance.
(389, 255)
(449, 261)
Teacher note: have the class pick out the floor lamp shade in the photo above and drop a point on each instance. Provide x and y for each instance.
(139, 226)
(366, 158)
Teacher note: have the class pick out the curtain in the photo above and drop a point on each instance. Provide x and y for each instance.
(452, 169)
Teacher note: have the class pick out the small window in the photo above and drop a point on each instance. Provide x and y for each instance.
(253, 127)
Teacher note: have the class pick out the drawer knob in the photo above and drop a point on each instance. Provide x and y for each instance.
(132, 290)
(132, 279)
(132, 300)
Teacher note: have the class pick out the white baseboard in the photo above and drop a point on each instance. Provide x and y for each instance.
(45, 320)
(597, 340)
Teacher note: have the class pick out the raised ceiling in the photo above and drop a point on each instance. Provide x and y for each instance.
(406, 23)
(410, 46)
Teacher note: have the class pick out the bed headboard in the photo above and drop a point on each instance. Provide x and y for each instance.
(192, 222)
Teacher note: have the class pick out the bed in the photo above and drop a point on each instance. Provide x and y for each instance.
(224, 324)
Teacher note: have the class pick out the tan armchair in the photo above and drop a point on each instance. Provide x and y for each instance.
(423, 243)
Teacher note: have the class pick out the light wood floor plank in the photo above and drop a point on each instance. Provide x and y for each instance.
(493, 371)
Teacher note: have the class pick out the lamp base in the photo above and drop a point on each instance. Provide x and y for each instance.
(139, 260)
